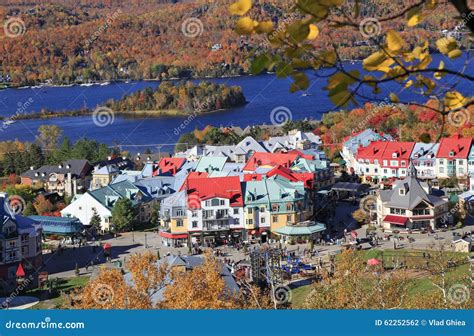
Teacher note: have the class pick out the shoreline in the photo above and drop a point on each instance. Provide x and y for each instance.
(130, 115)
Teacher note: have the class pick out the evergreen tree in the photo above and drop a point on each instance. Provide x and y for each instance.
(123, 214)
(95, 221)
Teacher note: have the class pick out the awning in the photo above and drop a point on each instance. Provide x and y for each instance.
(397, 220)
(295, 230)
(173, 236)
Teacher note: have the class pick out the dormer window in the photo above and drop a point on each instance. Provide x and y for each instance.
(451, 153)
(394, 155)
(401, 192)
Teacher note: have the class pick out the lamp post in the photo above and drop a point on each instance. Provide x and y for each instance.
(146, 244)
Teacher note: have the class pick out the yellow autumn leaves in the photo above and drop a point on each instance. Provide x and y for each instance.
(247, 26)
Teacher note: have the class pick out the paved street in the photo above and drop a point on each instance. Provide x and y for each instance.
(63, 264)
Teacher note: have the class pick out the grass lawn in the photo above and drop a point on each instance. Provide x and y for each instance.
(420, 285)
(55, 300)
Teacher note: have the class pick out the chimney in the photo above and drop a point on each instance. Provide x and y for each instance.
(109, 158)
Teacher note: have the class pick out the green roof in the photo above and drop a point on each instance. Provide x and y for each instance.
(208, 164)
(297, 230)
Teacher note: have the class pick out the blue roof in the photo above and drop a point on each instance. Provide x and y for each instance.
(364, 138)
(59, 225)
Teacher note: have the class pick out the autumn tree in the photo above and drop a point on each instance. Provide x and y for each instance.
(110, 290)
(43, 205)
(406, 64)
(48, 136)
(360, 216)
(200, 288)
(355, 285)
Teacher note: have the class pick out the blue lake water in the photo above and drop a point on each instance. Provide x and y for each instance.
(264, 93)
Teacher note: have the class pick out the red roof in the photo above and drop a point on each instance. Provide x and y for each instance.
(199, 189)
(170, 165)
(397, 151)
(307, 178)
(456, 146)
(20, 272)
(270, 159)
(397, 220)
(373, 151)
(173, 236)
(301, 154)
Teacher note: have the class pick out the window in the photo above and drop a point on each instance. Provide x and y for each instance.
(215, 202)
(250, 211)
(288, 218)
(262, 209)
(394, 172)
(404, 163)
(394, 163)
(401, 192)
(194, 213)
(249, 221)
(24, 239)
(236, 211)
(222, 202)
(180, 213)
(396, 211)
(179, 223)
(385, 162)
(376, 170)
(262, 220)
(367, 170)
(275, 219)
(441, 170)
(376, 161)
(385, 171)
(208, 203)
(195, 224)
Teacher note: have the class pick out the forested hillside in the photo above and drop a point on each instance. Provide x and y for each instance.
(66, 41)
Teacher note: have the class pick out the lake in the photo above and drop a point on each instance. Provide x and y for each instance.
(264, 93)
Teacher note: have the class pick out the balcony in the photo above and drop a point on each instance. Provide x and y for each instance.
(215, 227)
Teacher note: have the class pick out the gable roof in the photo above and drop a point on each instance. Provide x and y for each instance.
(73, 166)
(125, 189)
(373, 151)
(170, 166)
(414, 193)
(270, 160)
(403, 150)
(424, 151)
(209, 164)
(364, 138)
(455, 145)
(199, 189)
